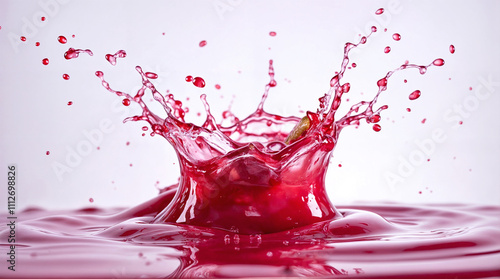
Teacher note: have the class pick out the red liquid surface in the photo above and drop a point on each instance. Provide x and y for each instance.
(370, 241)
(252, 202)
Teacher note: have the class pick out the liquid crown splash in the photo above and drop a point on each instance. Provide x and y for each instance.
(249, 176)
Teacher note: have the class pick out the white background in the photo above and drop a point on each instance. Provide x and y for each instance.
(307, 50)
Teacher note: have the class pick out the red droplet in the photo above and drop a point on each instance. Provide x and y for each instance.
(72, 36)
(43, 18)
(438, 62)
(23, 38)
(405, 81)
(377, 128)
(74, 53)
(37, 44)
(460, 122)
(408, 109)
(151, 75)
(126, 102)
(217, 86)
(203, 43)
(189, 78)
(340, 165)
(127, 143)
(452, 49)
(65, 76)
(91, 200)
(423, 120)
(272, 33)
(420, 192)
(47, 153)
(374, 29)
(45, 61)
(382, 82)
(379, 11)
(414, 95)
(144, 128)
(396, 37)
(375, 118)
(70, 103)
(354, 65)
(199, 82)
(62, 39)
(387, 49)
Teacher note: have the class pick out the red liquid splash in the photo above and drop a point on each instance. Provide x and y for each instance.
(249, 204)
(236, 177)
(74, 53)
(112, 57)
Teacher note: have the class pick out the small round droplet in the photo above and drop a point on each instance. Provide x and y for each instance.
(199, 82)
(408, 109)
(47, 153)
(354, 65)
(45, 61)
(272, 34)
(374, 28)
(37, 44)
(65, 76)
(382, 82)
(217, 86)
(396, 37)
(375, 118)
(377, 128)
(379, 11)
(126, 102)
(423, 120)
(452, 49)
(62, 39)
(203, 43)
(151, 75)
(387, 49)
(91, 200)
(144, 128)
(189, 78)
(42, 18)
(70, 103)
(414, 95)
(23, 38)
(438, 62)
